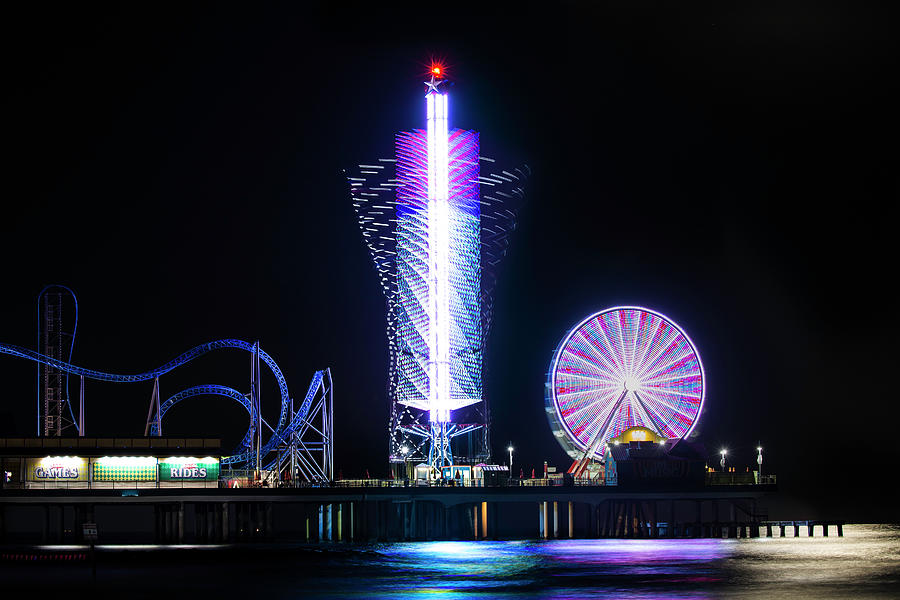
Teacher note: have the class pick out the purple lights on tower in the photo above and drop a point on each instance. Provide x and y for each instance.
(436, 229)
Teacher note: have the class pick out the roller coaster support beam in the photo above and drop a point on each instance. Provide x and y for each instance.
(154, 421)
(255, 402)
(81, 408)
(329, 428)
(293, 449)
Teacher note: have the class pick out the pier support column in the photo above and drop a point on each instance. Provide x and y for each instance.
(328, 524)
(181, 522)
(171, 524)
(589, 529)
(546, 520)
(699, 520)
(226, 532)
(609, 519)
(555, 519)
(340, 528)
(408, 520)
(199, 529)
(619, 519)
(629, 519)
(167, 524)
(484, 520)
(540, 519)
(352, 533)
(672, 519)
(209, 522)
(716, 526)
(45, 524)
(571, 519)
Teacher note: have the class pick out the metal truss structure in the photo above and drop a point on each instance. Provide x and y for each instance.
(295, 429)
(54, 413)
(437, 229)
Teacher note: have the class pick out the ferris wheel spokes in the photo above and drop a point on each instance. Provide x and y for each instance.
(620, 368)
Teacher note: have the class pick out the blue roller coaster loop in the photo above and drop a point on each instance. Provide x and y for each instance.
(279, 431)
(211, 390)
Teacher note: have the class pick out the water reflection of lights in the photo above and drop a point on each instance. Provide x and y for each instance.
(865, 563)
(133, 547)
(432, 568)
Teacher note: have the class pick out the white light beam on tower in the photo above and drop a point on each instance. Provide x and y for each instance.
(439, 251)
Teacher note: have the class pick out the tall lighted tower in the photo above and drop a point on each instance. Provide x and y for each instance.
(436, 240)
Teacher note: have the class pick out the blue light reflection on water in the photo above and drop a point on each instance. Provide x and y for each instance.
(572, 568)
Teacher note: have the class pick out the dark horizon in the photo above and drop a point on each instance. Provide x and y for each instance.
(728, 167)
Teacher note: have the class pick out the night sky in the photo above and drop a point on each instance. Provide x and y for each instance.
(729, 166)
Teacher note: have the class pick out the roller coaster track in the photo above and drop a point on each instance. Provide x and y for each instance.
(287, 423)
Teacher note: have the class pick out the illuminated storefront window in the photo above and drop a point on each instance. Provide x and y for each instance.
(57, 469)
(124, 468)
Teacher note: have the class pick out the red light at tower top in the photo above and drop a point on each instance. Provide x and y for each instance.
(437, 75)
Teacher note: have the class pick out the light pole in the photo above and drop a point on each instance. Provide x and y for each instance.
(759, 461)
(510, 449)
(723, 452)
(404, 450)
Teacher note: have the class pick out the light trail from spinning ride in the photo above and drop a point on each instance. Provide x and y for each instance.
(287, 424)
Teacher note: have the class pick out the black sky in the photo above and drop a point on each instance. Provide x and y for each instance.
(733, 167)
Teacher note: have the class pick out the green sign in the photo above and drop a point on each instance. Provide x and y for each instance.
(189, 469)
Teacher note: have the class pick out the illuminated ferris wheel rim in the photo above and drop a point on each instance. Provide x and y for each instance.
(565, 342)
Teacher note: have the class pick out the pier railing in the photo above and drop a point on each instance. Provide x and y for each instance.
(232, 480)
(751, 478)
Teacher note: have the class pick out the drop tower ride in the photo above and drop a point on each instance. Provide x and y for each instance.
(436, 229)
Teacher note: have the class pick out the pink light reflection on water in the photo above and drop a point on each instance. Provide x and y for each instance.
(570, 568)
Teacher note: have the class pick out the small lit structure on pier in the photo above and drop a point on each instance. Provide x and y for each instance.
(641, 458)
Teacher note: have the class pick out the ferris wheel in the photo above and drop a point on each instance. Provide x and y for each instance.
(619, 368)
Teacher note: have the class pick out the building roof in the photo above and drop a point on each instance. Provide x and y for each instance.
(108, 446)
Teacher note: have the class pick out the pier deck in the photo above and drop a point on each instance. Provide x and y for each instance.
(364, 514)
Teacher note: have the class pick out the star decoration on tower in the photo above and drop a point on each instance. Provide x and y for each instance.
(433, 85)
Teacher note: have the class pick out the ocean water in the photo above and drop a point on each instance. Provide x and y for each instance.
(865, 563)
